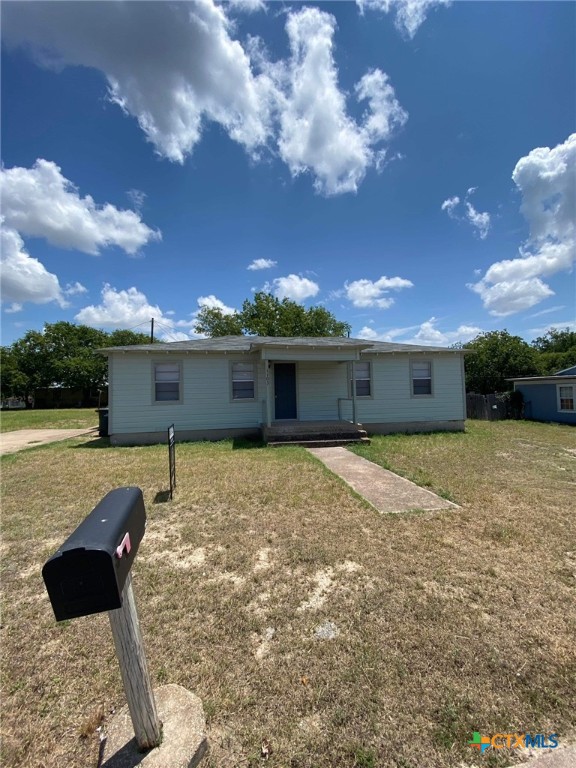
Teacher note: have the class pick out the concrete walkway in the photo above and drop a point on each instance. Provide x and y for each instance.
(380, 487)
(20, 439)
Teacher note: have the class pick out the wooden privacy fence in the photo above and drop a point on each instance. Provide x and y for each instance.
(491, 407)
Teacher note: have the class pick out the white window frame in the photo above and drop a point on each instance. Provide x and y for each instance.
(413, 378)
(175, 364)
(560, 398)
(253, 380)
(355, 379)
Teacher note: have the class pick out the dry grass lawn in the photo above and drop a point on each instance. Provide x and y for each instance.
(297, 613)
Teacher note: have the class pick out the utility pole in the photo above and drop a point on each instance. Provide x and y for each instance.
(152, 330)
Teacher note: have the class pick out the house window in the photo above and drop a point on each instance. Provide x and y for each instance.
(421, 378)
(243, 384)
(362, 378)
(565, 397)
(166, 382)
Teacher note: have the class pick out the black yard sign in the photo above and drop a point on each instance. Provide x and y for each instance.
(172, 458)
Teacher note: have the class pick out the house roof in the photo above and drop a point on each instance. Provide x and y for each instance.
(555, 379)
(254, 343)
(567, 371)
(564, 374)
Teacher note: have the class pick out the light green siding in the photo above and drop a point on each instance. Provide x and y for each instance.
(206, 401)
(391, 387)
(319, 385)
(206, 394)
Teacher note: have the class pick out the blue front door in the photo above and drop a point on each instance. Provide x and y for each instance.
(285, 390)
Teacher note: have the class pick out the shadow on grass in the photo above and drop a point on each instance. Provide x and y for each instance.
(99, 442)
(245, 443)
(162, 497)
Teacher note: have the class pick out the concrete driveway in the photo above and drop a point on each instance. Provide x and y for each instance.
(19, 440)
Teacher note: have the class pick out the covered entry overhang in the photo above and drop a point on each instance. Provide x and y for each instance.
(281, 356)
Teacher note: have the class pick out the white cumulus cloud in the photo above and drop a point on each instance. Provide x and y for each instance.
(173, 66)
(293, 287)
(248, 6)
(427, 333)
(316, 133)
(367, 333)
(214, 303)
(450, 205)
(75, 289)
(480, 221)
(546, 179)
(368, 293)
(23, 277)
(176, 67)
(506, 297)
(122, 309)
(409, 15)
(41, 202)
(261, 264)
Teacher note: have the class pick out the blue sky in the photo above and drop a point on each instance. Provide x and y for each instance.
(410, 166)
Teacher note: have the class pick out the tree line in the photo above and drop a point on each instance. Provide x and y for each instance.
(499, 356)
(64, 354)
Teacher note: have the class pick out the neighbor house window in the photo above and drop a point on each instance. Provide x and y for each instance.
(421, 377)
(362, 380)
(566, 397)
(243, 385)
(166, 382)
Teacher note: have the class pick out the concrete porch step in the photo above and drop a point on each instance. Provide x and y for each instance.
(314, 433)
(304, 434)
(331, 442)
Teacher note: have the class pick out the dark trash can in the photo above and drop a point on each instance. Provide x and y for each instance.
(102, 421)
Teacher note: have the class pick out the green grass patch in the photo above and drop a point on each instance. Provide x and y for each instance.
(64, 418)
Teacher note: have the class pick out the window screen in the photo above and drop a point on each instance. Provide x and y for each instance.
(566, 397)
(422, 378)
(242, 381)
(166, 382)
(362, 378)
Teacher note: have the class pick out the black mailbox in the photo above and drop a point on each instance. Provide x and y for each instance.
(88, 572)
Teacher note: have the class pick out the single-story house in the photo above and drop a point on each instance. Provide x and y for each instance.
(549, 398)
(236, 386)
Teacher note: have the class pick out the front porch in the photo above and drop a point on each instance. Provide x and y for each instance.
(314, 434)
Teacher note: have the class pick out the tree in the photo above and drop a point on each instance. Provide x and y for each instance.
(213, 322)
(497, 356)
(73, 348)
(14, 383)
(556, 340)
(557, 350)
(34, 361)
(122, 338)
(267, 315)
(63, 355)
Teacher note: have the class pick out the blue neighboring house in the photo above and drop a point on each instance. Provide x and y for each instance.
(549, 398)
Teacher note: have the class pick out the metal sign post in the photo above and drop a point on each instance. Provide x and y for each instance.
(172, 458)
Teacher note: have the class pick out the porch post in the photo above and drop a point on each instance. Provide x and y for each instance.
(268, 403)
(353, 380)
